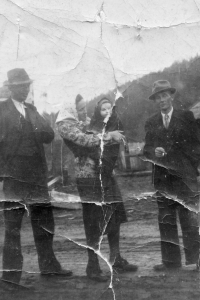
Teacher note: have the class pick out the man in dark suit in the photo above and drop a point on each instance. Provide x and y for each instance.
(24, 172)
(172, 146)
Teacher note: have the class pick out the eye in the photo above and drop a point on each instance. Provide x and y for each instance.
(165, 95)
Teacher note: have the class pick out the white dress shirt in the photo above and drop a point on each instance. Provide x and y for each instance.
(20, 107)
(169, 116)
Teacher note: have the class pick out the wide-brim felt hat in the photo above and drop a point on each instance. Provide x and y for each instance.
(17, 77)
(160, 86)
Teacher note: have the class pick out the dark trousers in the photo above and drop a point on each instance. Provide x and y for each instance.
(167, 218)
(43, 229)
(99, 220)
(94, 232)
(42, 222)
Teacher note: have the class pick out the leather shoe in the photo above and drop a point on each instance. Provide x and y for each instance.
(192, 267)
(99, 277)
(162, 267)
(122, 265)
(61, 272)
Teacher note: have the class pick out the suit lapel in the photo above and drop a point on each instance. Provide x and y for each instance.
(159, 127)
(173, 122)
(159, 121)
(31, 115)
(13, 114)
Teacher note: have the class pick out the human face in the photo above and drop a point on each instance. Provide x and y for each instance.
(81, 110)
(164, 101)
(20, 92)
(106, 109)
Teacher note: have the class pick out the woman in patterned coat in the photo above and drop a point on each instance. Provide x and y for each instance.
(96, 151)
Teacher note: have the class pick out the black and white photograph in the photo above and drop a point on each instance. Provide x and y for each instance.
(99, 149)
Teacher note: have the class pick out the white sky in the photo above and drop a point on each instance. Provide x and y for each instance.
(92, 46)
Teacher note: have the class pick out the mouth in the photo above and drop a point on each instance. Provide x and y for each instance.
(24, 94)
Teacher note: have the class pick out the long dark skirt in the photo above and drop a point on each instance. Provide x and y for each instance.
(103, 209)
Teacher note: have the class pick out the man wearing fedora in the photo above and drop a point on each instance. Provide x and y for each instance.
(24, 172)
(172, 146)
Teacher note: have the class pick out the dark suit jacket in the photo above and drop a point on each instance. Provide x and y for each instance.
(176, 172)
(11, 130)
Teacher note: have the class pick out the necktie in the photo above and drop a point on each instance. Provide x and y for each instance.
(166, 121)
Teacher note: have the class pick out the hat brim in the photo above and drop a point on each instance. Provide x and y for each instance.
(18, 83)
(172, 90)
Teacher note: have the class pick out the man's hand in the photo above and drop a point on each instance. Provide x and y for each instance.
(160, 152)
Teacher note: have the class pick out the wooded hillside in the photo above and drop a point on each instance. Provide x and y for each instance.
(135, 107)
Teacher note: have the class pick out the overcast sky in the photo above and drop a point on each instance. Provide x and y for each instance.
(92, 46)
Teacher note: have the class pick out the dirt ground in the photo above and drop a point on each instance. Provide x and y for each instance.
(139, 244)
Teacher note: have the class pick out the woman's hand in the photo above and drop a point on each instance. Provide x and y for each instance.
(117, 136)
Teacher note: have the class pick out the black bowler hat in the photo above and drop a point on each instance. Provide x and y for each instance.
(17, 76)
(161, 86)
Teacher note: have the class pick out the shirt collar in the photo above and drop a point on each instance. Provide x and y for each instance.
(19, 103)
(169, 114)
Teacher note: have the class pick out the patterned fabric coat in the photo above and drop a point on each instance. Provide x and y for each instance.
(81, 144)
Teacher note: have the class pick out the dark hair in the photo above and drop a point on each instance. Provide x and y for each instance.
(96, 122)
(78, 99)
(104, 100)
